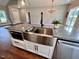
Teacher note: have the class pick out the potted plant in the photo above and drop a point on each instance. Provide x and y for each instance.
(56, 23)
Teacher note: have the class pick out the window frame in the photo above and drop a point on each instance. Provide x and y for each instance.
(5, 17)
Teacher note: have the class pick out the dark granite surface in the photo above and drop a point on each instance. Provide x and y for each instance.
(64, 32)
(20, 27)
(67, 33)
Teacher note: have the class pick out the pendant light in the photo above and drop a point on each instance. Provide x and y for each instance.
(51, 9)
(21, 4)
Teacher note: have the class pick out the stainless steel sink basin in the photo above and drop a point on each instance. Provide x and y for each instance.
(40, 35)
(38, 39)
(41, 30)
(46, 31)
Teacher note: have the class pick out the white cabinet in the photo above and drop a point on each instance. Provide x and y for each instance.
(18, 43)
(43, 50)
(38, 49)
(30, 46)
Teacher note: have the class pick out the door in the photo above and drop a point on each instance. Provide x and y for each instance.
(37, 48)
(30, 46)
(67, 50)
(43, 50)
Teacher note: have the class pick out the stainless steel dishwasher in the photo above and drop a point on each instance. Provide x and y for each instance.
(67, 50)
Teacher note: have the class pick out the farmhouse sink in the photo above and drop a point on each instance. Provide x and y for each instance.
(40, 35)
(45, 40)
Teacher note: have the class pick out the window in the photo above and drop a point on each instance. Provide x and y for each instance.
(3, 17)
(73, 14)
(71, 19)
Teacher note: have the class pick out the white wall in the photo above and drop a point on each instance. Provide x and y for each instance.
(48, 17)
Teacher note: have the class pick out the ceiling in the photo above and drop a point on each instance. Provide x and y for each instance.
(39, 3)
(43, 3)
(61, 2)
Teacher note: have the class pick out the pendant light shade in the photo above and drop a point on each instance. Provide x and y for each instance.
(51, 9)
(22, 3)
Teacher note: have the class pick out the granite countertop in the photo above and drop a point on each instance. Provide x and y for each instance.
(63, 33)
(67, 33)
(20, 27)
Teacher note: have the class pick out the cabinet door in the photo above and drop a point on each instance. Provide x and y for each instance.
(30, 46)
(14, 14)
(43, 50)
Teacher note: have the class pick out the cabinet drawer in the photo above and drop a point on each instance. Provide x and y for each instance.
(19, 44)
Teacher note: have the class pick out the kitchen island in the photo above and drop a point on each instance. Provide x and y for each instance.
(64, 33)
(38, 40)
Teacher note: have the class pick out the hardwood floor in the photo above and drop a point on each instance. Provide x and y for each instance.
(7, 51)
